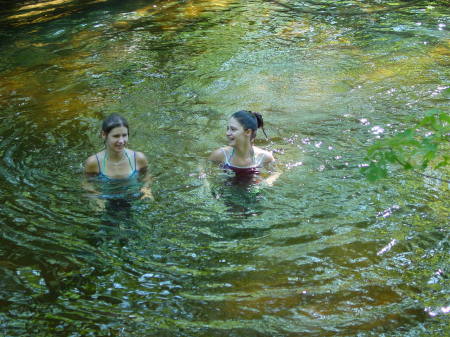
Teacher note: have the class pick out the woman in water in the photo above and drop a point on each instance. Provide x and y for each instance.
(241, 155)
(117, 169)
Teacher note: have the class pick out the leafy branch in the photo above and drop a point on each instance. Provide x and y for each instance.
(425, 145)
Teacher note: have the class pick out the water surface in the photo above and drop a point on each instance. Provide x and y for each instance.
(320, 253)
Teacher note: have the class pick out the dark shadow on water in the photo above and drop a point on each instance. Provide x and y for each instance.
(241, 194)
(114, 229)
(117, 223)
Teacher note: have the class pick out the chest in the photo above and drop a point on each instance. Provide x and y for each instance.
(242, 162)
(117, 171)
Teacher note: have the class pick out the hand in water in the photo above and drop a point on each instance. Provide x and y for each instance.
(147, 193)
(272, 178)
(97, 203)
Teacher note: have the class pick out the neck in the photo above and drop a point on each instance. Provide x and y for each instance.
(244, 151)
(115, 156)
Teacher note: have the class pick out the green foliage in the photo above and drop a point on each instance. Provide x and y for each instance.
(424, 145)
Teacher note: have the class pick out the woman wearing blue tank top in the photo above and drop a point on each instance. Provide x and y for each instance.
(116, 168)
(241, 156)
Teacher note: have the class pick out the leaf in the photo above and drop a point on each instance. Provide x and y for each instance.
(374, 172)
(415, 147)
(445, 117)
(405, 138)
(428, 145)
(443, 163)
(428, 121)
(407, 166)
(375, 147)
(391, 157)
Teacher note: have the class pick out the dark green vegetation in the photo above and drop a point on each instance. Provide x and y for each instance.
(417, 148)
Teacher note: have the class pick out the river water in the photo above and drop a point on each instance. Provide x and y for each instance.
(322, 252)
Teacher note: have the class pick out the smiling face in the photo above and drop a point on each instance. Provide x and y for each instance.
(117, 139)
(236, 134)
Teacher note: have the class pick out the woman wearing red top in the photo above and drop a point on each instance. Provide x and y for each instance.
(241, 155)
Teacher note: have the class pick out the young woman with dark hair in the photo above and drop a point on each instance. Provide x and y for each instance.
(117, 165)
(241, 155)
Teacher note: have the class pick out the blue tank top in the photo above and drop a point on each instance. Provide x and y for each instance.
(101, 168)
(119, 188)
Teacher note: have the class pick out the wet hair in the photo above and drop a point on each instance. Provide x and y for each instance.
(114, 121)
(250, 120)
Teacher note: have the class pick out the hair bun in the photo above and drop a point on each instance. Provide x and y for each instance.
(259, 118)
(260, 121)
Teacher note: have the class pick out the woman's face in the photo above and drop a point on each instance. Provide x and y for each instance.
(236, 134)
(117, 139)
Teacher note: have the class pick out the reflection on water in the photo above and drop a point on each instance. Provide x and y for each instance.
(320, 253)
(240, 194)
(30, 12)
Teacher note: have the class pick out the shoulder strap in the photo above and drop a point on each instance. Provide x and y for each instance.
(104, 163)
(133, 168)
(129, 160)
(258, 161)
(227, 158)
(98, 163)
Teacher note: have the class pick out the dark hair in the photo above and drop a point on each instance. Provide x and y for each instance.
(114, 121)
(250, 120)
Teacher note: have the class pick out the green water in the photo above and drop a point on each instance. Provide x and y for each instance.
(320, 253)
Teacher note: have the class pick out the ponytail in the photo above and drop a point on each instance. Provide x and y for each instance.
(260, 122)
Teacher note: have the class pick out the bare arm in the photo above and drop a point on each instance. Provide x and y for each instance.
(270, 165)
(91, 166)
(217, 156)
(144, 175)
(91, 169)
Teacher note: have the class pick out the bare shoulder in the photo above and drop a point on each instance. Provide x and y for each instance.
(141, 160)
(266, 155)
(91, 165)
(218, 155)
